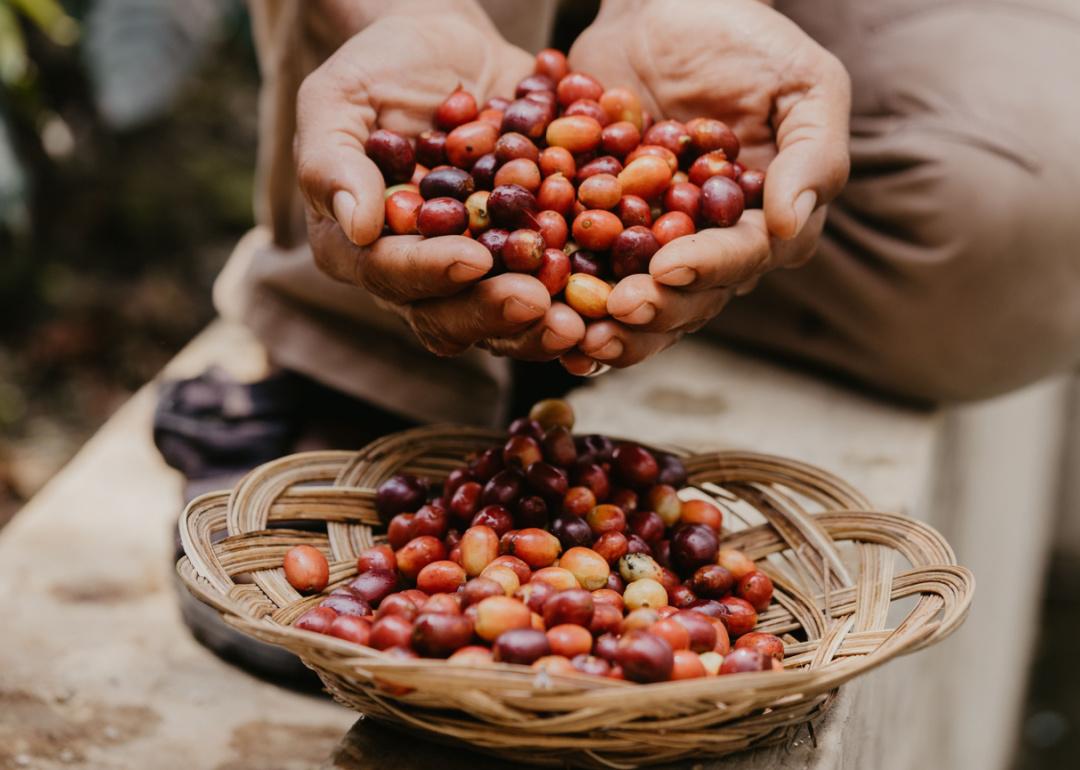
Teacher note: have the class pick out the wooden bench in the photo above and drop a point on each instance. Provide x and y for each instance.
(96, 669)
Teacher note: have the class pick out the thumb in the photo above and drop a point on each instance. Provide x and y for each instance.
(337, 178)
(812, 163)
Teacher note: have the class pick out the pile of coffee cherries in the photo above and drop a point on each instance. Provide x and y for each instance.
(570, 182)
(569, 554)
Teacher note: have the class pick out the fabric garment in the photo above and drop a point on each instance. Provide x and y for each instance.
(948, 268)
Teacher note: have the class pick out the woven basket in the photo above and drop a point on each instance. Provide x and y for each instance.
(854, 588)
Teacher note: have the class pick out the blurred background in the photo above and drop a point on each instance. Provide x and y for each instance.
(127, 146)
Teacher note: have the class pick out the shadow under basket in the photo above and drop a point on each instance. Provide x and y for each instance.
(854, 588)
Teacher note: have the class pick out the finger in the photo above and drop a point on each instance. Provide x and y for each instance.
(502, 306)
(579, 364)
(641, 302)
(715, 256)
(337, 178)
(812, 135)
(399, 268)
(557, 333)
(616, 345)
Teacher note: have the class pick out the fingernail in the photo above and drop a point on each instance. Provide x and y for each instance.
(598, 369)
(642, 314)
(516, 311)
(804, 207)
(610, 349)
(344, 206)
(677, 276)
(463, 272)
(552, 341)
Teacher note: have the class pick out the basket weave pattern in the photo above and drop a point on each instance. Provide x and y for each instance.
(838, 566)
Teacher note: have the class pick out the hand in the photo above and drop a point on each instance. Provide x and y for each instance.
(393, 75)
(786, 98)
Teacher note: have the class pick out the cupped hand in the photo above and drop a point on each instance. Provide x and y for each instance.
(393, 75)
(786, 98)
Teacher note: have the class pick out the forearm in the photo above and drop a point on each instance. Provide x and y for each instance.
(351, 16)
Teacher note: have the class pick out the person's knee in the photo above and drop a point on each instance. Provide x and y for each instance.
(983, 279)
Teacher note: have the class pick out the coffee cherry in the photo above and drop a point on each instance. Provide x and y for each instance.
(554, 232)
(645, 592)
(708, 134)
(393, 154)
(526, 426)
(605, 164)
(622, 104)
(504, 576)
(684, 197)
(351, 628)
(440, 577)
(591, 665)
(571, 606)
(478, 589)
(417, 554)
(633, 210)
(552, 63)
(712, 581)
(638, 566)
(578, 85)
(702, 633)
(635, 465)
(672, 471)
(722, 202)
(687, 665)
(536, 547)
(492, 117)
(672, 225)
(606, 518)
(558, 443)
(402, 208)
(752, 183)
(519, 568)
(692, 546)
(737, 615)
(670, 134)
(531, 511)
(601, 191)
(656, 151)
(522, 253)
(663, 499)
(468, 142)
(571, 531)
(632, 250)
(524, 646)
(611, 546)
(587, 294)
(527, 117)
(476, 205)
(645, 657)
(479, 547)
(374, 585)
(757, 588)
(390, 631)
(533, 83)
(646, 176)
(520, 171)
(465, 500)
(710, 165)
(736, 562)
(547, 480)
(306, 569)
(431, 148)
(620, 139)
(586, 263)
(483, 171)
(499, 614)
(346, 603)
(588, 108)
(442, 604)
(742, 660)
(457, 109)
(569, 640)
(647, 525)
(576, 133)
(317, 619)
(447, 182)
(512, 207)
(438, 635)
(557, 160)
(556, 194)
(399, 604)
(589, 567)
(767, 644)
(596, 229)
(442, 216)
(578, 501)
(399, 494)
(496, 517)
(471, 655)
(702, 512)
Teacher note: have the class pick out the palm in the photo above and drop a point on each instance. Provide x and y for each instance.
(734, 61)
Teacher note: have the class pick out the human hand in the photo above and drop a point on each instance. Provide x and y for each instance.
(785, 97)
(393, 75)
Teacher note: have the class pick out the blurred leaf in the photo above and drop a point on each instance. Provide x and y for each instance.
(50, 18)
(140, 52)
(14, 214)
(13, 60)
